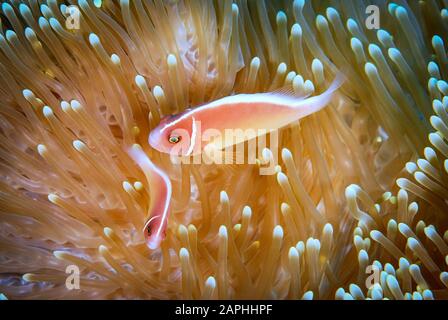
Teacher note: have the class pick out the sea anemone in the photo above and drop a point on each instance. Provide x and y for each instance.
(356, 209)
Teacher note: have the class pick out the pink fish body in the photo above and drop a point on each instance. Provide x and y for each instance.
(184, 134)
(160, 196)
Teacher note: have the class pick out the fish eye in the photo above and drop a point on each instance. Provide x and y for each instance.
(174, 139)
(148, 229)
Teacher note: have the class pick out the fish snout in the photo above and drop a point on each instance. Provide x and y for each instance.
(154, 139)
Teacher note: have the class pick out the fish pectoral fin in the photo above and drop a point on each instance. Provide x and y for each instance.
(212, 154)
(231, 155)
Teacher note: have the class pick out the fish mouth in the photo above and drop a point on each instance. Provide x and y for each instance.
(153, 139)
(153, 242)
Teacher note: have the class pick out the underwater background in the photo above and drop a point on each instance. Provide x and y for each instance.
(357, 207)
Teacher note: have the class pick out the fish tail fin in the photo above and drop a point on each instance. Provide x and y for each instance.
(316, 103)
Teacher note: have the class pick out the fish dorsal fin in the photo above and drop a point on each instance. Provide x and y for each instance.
(174, 117)
(287, 92)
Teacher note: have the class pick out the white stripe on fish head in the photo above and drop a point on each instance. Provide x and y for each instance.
(176, 121)
(193, 136)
